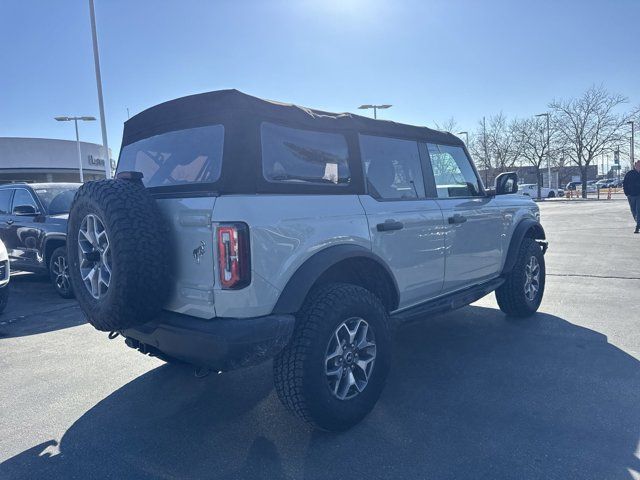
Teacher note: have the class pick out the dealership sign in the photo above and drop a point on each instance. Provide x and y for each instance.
(100, 161)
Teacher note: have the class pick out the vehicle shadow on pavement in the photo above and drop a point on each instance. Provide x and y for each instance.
(34, 307)
(471, 395)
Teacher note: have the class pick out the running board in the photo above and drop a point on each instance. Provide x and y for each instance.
(448, 302)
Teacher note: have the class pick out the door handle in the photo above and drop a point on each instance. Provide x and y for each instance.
(457, 218)
(9, 222)
(389, 225)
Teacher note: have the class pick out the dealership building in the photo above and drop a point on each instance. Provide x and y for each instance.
(49, 160)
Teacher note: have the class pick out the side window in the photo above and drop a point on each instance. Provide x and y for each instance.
(5, 201)
(393, 168)
(24, 197)
(294, 156)
(453, 172)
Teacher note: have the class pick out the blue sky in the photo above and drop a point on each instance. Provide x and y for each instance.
(431, 59)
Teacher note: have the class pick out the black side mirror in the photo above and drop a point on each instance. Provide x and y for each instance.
(25, 210)
(506, 183)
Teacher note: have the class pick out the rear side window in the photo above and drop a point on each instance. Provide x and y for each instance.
(393, 168)
(453, 172)
(295, 156)
(22, 198)
(193, 155)
(5, 201)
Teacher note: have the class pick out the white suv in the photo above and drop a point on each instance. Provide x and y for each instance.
(241, 229)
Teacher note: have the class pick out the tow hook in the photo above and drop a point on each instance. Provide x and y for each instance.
(113, 335)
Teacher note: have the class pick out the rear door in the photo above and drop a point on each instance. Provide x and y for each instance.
(406, 228)
(474, 228)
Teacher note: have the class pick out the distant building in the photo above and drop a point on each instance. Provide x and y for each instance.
(49, 160)
(560, 176)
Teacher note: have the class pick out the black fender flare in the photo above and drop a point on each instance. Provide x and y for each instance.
(294, 293)
(51, 237)
(526, 227)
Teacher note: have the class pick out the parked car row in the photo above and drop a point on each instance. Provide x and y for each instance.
(33, 228)
(531, 190)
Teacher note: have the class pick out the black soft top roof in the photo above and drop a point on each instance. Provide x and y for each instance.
(231, 106)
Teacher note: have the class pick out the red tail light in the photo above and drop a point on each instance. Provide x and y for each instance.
(234, 256)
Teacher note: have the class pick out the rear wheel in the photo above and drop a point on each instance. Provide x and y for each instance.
(521, 294)
(59, 273)
(552, 194)
(334, 369)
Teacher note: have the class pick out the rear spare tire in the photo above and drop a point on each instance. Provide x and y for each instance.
(117, 252)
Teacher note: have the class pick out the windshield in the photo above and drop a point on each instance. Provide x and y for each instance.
(192, 155)
(56, 199)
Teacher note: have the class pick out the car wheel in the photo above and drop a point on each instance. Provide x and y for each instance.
(520, 295)
(4, 297)
(551, 195)
(59, 273)
(334, 369)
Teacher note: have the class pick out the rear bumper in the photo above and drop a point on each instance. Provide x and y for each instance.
(219, 343)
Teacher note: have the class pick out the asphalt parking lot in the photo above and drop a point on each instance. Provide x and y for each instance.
(471, 394)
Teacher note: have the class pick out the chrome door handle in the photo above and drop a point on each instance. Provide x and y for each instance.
(457, 218)
(389, 225)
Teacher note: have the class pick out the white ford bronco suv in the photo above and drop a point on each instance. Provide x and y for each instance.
(239, 230)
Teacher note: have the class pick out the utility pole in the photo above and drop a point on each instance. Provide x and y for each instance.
(96, 59)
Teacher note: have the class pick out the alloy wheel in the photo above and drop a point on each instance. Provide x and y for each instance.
(60, 269)
(95, 256)
(532, 279)
(350, 358)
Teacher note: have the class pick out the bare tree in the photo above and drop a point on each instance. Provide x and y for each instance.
(450, 125)
(534, 146)
(479, 149)
(589, 126)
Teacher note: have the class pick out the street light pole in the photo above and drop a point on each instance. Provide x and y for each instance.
(375, 109)
(96, 59)
(548, 146)
(466, 136)
(75, 121)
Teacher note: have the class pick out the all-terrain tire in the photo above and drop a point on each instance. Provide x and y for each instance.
(138, 253)
(299, 370)
(511, 296)
(59, 273)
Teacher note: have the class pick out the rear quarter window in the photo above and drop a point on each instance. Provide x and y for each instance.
(296, 156)
(192, 155)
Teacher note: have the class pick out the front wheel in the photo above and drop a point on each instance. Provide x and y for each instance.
(334, 369)
(551, 195)
(59, 273)
(521, 294)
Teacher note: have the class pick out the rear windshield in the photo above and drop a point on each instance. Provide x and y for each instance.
(56, 200)
(295, 156)
(193, 155)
